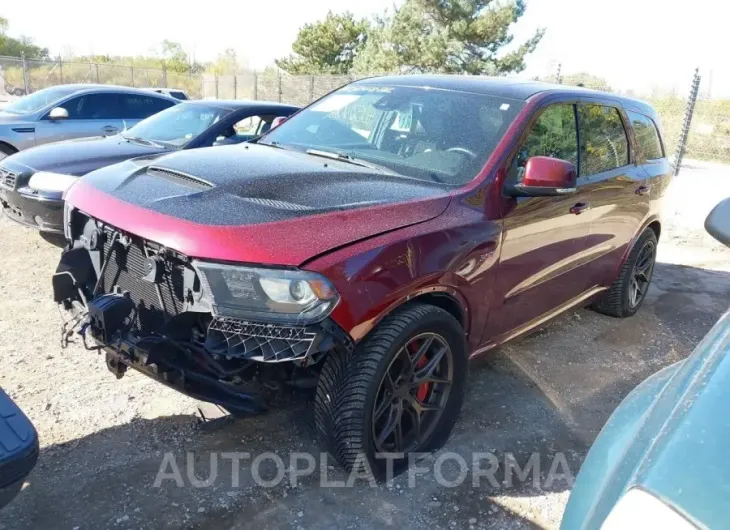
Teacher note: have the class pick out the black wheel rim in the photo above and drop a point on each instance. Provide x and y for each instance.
(413, 394)
(641, 275)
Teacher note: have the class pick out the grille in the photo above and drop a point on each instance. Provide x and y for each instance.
(8, 178)
(258, 342)
(126, 268)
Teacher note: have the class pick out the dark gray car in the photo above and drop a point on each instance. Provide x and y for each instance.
(74, 111)
(32, 182)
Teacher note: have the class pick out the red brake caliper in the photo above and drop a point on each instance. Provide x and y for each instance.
(423, 388)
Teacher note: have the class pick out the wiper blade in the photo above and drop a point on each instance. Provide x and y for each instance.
(277, 145)
(141, 141)
(344, 157)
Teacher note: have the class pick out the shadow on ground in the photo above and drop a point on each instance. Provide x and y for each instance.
(548, 393)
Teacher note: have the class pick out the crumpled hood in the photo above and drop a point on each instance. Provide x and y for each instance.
(254, 203)
(80, 156)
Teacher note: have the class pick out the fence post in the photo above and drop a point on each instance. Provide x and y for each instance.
(278, 89)
(235, 86)
(255, 86)
(131, 69)
(216, 86)
(60, 68)
(684, 134)
(96, 67)
(164, 75)
(311, 88)
(26, 84)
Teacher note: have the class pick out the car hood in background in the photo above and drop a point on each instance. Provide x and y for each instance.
(80, 156)
(8, 118)
(254, 203)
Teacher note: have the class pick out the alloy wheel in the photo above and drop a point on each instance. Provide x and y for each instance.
(641, 275)
(413, 394)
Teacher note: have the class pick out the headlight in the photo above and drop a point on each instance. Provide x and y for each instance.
(53, 182)
(639, 509)
(299, 297)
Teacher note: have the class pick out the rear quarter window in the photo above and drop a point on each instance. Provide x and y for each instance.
(647, 136)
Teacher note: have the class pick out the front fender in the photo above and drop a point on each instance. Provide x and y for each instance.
(445, 255)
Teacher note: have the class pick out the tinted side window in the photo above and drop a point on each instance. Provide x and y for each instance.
(647, 136)
(554, 135)
(138, 107)
(93, 107)
(603, 142)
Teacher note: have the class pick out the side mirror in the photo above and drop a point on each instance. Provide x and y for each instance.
(545, 176)
(278, 121)
(717, 223)
(59, 113)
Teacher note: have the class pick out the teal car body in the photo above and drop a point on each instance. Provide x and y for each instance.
(670, 438)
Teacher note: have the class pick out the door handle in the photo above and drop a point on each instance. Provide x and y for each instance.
(110, 129)
(580, 207)
(642, 190)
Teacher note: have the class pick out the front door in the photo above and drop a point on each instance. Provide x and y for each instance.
(88, 115)
(543, 238)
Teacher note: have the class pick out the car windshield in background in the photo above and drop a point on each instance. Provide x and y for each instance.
(178, 125)
(38, 100)
(433, 135)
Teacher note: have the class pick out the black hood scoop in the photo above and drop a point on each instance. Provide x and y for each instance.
(178, 177)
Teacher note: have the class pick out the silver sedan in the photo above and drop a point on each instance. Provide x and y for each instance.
(74, 111)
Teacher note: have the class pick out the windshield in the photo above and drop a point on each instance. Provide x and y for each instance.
(38, 100)
(433, 135)
(177, 125)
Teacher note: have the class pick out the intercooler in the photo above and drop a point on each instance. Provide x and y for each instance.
(155, 303)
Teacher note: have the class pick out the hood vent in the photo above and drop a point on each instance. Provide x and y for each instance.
(281, 205)
(177, 177)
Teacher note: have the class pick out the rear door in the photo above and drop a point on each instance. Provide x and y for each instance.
(88, 115)
(543, 238)
(618, 189)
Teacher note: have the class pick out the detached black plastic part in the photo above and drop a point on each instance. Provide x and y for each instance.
(108, 313)
(18, 448)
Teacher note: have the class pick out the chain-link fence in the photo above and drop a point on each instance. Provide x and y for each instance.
(19, 76)
(708, 137)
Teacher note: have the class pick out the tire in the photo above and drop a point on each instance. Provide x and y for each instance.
(618, 301)
(351, 384)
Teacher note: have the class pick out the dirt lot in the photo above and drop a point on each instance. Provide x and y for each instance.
(103, 440)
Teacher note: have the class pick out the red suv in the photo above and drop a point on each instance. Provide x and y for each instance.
(367, 248)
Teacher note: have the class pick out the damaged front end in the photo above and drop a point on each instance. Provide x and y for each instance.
(218, 332)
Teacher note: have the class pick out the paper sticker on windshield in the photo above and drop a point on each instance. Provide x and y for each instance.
(335, 102)
(504, 106)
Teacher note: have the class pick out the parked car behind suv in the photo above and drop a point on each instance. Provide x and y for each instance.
(32, 182)
(74, 111)
(368, 247)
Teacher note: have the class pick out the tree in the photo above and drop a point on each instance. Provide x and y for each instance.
(226, 64)
(16, 47)
(447, 36)
(326, 47)
(175, 57)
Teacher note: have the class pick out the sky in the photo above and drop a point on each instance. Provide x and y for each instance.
(633, 44)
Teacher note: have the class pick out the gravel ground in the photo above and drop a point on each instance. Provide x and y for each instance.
(103, 441)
